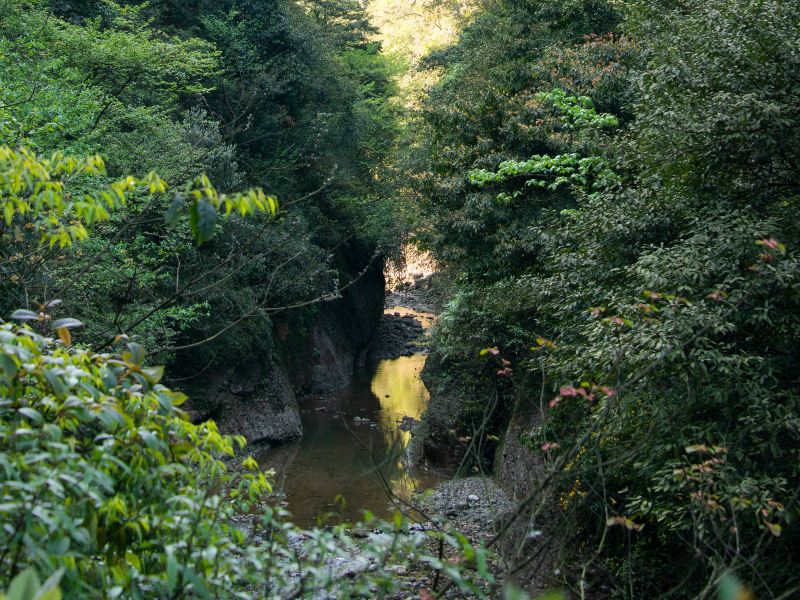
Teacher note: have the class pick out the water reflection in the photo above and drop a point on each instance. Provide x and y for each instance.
(352, 445)
(401, 392)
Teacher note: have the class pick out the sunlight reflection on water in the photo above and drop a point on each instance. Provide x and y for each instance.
(341, 456)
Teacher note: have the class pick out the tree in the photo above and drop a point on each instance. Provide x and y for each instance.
(646, 322)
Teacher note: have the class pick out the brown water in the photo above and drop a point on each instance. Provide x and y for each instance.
(341, 458)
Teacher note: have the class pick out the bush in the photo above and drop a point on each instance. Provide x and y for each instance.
(104, 477)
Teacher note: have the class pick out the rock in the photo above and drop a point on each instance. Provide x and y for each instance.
(407, 423)
(535, 534)
(242, 387)
(397, 335)
(269, 414)
(259, 399)
(470, 514)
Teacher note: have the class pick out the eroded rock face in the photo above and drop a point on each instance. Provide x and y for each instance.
(259, 404)
(321, 354)
(314, 352)
(334, 359)
(269, 413)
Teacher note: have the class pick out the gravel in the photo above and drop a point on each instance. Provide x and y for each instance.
(472, 505)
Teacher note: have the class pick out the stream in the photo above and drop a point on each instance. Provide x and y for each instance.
(353, 444)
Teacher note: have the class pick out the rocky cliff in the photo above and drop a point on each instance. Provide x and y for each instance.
(314, 350)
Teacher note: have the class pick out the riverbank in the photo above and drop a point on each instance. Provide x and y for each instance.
(473, 507)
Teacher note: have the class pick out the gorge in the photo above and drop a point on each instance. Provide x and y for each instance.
(420, 299)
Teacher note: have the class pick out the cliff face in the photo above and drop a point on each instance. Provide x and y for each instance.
(258, 403)
(314, 351)
(321, 348)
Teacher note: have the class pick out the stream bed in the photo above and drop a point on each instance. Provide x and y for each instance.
(353, 446)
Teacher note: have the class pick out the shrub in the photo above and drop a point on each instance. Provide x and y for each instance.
(104, 477)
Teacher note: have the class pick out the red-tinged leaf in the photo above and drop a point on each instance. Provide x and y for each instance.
(697, 449)
(624, 522)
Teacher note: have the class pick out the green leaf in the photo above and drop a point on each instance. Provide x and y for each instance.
(66, 324)
(172, 572)
(153, 374)
(133, 560)
(198, 584)
(50, 589)
(31, 414)
(203, 218)
(55, 382)
(175, 209)
(24, 315)
(24, 586)
(135, 353)
(8, 368)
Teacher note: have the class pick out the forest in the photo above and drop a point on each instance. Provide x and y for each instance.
(203, 207)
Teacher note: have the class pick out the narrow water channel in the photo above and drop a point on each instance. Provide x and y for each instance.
(353, 446)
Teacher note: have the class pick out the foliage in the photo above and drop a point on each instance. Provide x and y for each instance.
(646, 321)
(29, 186)
(590, 172)
(102, 475)
(108, 489)
(260, 97)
